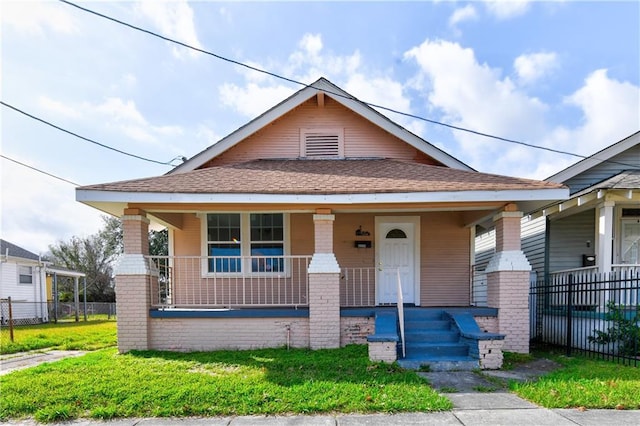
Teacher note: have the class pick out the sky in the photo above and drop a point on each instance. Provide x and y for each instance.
(558, 74)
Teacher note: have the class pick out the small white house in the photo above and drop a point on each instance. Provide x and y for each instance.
(23, 279)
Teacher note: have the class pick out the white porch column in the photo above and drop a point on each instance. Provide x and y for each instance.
(508, 275)
(324, 286)
(605, 236)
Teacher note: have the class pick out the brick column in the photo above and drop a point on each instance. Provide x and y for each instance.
(133, 278)
(324, 286)
(508, 275)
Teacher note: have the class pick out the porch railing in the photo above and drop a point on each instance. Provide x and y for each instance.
(357, 287)
(229, 281)
(591, 289)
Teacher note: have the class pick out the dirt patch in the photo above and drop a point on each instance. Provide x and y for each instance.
(488, 380)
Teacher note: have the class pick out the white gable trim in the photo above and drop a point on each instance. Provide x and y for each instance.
(340, 96)
(595, 159)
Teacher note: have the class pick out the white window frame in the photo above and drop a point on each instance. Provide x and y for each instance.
(245, 246)
(21, 274)
(329, 131)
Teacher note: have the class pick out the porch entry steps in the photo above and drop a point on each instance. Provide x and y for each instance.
(433, 340)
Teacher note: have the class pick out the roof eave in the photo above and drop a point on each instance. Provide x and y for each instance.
(107, 200)
(595, 159)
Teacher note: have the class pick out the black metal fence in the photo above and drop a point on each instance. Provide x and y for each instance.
(596, 315)
(29, 313)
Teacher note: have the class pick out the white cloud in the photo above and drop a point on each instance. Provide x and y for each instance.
(462, 14)
(59, 108)
(38, 17)
(475, 96)
(506, 9)
(38, 210)
(114, 113)
(252, 100)
(384, 91)
(311, 44)
(611, 111)
(175, 20)
(308, 63)
(530, 68)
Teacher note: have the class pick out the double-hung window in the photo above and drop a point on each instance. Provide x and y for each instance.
(25, 274)
(245, 242)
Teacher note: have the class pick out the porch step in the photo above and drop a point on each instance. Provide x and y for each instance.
(431, 339)
(440, 363)
(436, 349)
(426, 325)
(433, 336)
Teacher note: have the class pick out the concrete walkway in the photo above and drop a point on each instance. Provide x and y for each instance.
(493, 406)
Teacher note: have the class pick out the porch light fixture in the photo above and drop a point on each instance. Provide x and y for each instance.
(361, 233)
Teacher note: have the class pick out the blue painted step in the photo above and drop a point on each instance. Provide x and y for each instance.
(432, 339)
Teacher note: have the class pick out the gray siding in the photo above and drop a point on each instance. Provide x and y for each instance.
(485, 246)
(605, 170)
(533, 239)
(568, 240)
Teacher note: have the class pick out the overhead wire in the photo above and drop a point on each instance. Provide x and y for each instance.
(41, 120)
(381, 107)
(39, 171)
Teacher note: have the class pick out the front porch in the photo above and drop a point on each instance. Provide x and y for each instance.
(256, 281)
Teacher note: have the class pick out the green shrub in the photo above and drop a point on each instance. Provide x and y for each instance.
(624, 330)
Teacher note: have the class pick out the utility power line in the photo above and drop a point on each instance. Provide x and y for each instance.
(164, 163)
(39, 171)
(291, 80)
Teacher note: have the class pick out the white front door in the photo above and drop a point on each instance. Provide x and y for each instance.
(397, 251)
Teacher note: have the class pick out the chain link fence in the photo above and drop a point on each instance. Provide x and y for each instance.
(30, 313)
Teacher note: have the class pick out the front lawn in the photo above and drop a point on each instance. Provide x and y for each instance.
(82, 335)
(104, 384)
(585, 383)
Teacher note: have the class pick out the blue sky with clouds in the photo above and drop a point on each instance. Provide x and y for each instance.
(559, 74)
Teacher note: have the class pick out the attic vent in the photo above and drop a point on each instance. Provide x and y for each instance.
(321, 143)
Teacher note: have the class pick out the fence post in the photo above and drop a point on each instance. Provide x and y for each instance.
(10, 319)
(569, 314)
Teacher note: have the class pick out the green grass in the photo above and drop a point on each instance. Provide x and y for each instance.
(584, 382)
(104, 384)
(82, 335)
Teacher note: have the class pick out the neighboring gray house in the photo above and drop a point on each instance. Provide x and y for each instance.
(596, 230)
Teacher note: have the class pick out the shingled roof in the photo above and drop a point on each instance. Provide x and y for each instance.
(356, 176)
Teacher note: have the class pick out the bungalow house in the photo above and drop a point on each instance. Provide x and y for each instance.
(308, 227)
(23, 279)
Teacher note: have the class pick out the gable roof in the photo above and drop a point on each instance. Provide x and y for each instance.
(595, 159)
(307, 177)
(322, 85)
(16, 251)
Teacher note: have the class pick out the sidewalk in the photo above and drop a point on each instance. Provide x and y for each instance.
(471, 408)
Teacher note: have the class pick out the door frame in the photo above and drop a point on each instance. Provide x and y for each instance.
(415, 221)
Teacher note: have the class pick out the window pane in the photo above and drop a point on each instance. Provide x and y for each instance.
(227, 258)
(263, 261)
(223, 227)
(267, 227)
(25, 274)
(396, 233)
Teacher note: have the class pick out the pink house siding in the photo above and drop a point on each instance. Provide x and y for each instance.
(445, 250)
(281, 139)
